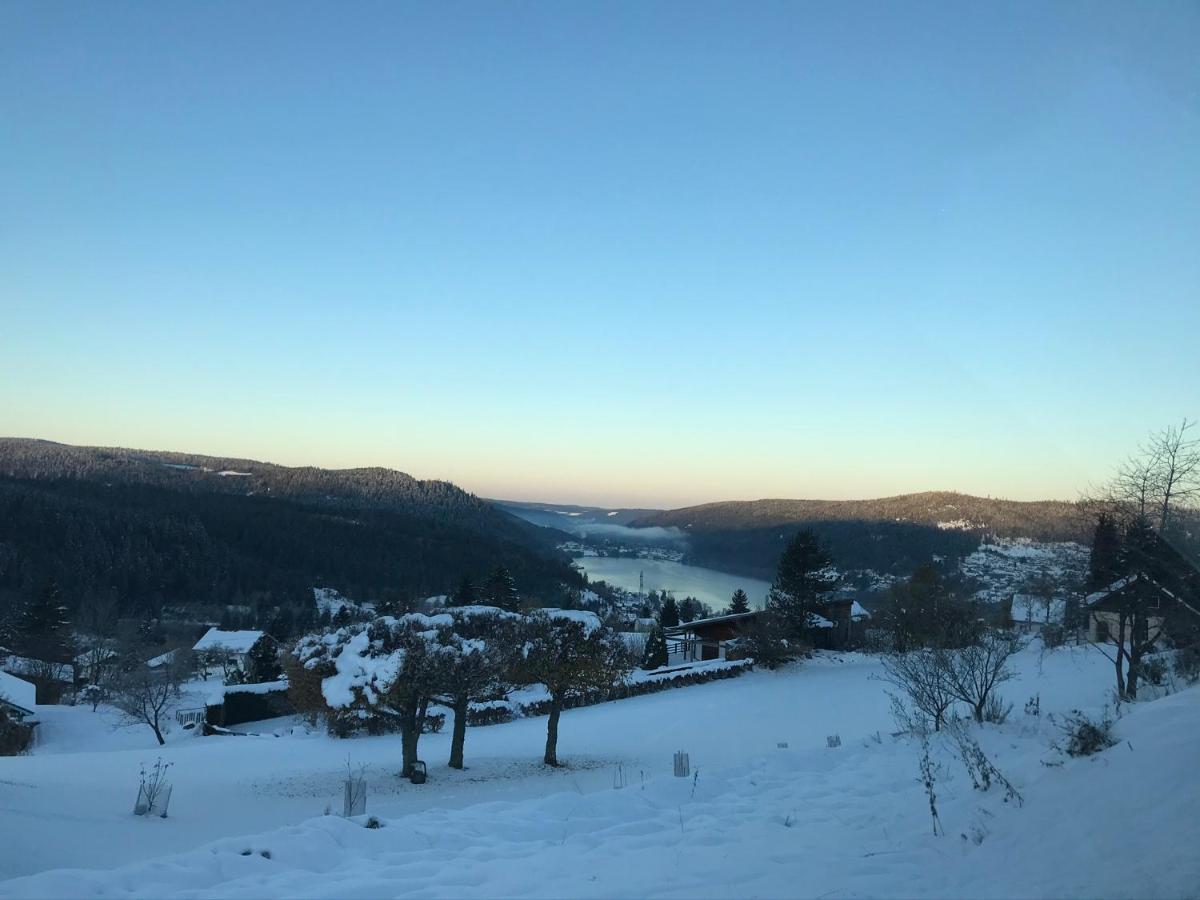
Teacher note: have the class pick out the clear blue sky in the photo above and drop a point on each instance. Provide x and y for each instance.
(642, 252)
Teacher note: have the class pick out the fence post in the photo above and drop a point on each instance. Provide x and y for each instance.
(683, 766)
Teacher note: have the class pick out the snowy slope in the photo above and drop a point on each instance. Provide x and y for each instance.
(756, 821)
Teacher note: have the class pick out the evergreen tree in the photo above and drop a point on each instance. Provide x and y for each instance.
(740, 603)
(465, 594)
(669, 616)
(655, 654)
(500, 590)
(644, 611)
(687, 610)
(262, 662)
(802, 581)
(43, 631)
(1104, 564)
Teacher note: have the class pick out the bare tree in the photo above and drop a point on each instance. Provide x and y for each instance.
(1177, 473)
(922, 676)
(974, 671)
(145, 696)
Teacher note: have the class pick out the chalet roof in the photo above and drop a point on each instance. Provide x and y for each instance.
(228, 641)
(711, 620)
(18, 693)
(1119, 585)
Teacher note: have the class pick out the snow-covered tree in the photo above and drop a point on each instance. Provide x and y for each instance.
(572, 655)
(388, 668)
(479, 656)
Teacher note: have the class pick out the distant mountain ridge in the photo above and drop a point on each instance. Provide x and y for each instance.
(1046, 520)
(890, 534)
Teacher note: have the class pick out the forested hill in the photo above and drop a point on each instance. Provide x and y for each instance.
(888, 534)
(1043, 520)
(368, 488)
(169, 529)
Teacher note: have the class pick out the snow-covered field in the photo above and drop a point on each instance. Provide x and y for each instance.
(757, 820)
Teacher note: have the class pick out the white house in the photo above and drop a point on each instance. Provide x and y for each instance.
(227, 648)
(18, 696)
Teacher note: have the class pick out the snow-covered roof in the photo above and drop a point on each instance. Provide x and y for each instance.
(1117, 585)
(1030, 608)
(858, 611)
(228, 641)
(18, 692)
(162, 659)
(589, 620)
(728, 617)
(815, 621)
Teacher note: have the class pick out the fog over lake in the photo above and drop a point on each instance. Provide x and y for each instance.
(708, 585)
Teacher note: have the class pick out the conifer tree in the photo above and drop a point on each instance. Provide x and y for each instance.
(802, 581)
(740, 603)
(465, 594)
(687, 609)
(1104, 563)
(43, 631)
(669, 616)
(500, 590)
(655, 655)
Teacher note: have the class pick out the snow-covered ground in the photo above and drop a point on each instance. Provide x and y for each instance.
(757, 820)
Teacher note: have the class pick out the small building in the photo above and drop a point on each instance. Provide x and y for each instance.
(229, 650)
(18, 697)
(705, 639)
(843, 624)
(1105, 608)
(1029, 613)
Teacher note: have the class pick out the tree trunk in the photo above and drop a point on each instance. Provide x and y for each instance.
(158, 733)
(410, 733)
(551, 757)
(459, 736)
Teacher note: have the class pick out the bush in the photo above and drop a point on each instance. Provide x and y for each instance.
(995, 710)
(1154, 670)
(1085, 736)
(1187, 664)
(1052, 636)
(15, 737)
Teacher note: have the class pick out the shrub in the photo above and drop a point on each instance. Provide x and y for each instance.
(1187, 664)
(1052, 636)
(15, 737)
(1085, 736)
(995, 710)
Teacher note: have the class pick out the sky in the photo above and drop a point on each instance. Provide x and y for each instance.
(619, 253)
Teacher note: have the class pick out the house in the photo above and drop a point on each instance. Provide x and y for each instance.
(1105, 608)
(846, 620)
(705, 639)
(229, 650)
(1029, 613)
(18, 697)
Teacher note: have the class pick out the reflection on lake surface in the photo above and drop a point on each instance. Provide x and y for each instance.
(708, 585)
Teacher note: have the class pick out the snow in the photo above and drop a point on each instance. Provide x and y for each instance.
(858, 611)
(227, 641)
(1118, 585)
(162, 659)
(18, 691)
(589, 620)
(1032, 609)
(755, 821)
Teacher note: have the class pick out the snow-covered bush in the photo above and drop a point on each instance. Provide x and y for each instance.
(1187, 664)
(996, 710)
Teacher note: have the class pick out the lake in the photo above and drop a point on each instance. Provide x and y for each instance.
(708, 585)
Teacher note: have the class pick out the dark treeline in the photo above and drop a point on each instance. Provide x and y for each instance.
(150, 548)
(356, 489)
(888, 547)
